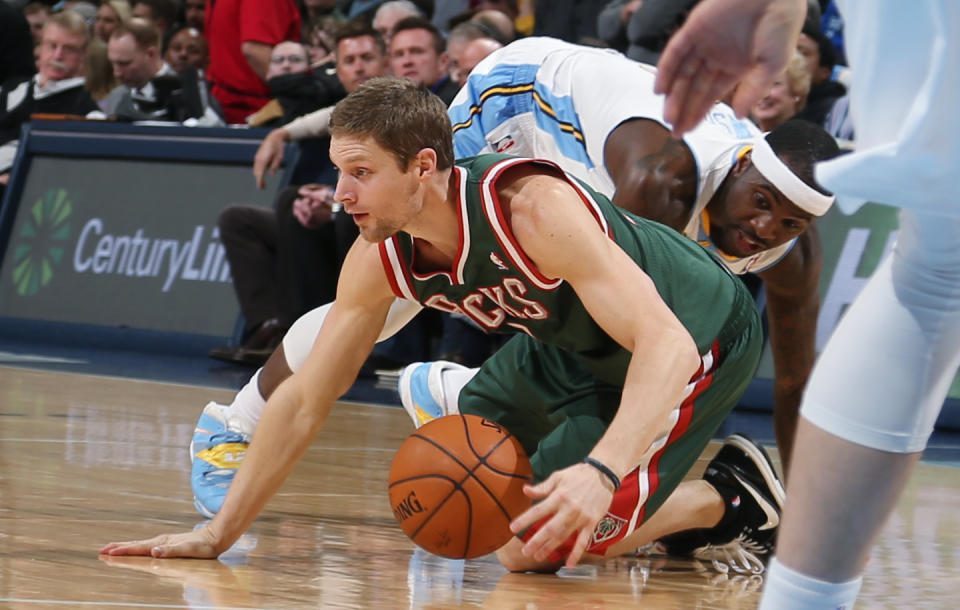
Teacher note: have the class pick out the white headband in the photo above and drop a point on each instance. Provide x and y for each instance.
(796, 190)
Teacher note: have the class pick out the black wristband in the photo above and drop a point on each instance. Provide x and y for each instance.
(604, 470)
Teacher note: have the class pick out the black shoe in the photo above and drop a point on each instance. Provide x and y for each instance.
(743, 474)
(256, 348)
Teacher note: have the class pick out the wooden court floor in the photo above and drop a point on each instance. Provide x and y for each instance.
(85, 460)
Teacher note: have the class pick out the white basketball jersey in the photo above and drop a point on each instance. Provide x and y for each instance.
(545, 98)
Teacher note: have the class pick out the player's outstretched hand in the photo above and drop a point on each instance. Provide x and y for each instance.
(269, 155)
(725, 44)
(201, 544)
(574, 499)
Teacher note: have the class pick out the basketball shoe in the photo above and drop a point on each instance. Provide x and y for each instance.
(744, 476)
(219, 443)
(421, 390)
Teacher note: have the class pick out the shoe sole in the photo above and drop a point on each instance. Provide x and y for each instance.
(758, 455)
(203, 509)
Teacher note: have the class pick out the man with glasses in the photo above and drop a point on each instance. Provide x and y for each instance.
(295, 89)
(57, 88)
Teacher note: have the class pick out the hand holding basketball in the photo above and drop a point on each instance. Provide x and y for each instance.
(572, 501)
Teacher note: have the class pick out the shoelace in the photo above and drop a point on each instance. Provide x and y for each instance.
(740, 555)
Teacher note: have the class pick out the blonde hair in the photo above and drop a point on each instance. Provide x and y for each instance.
(144, 33)
(121, 7)
(402, 116)
(71, 22)
(98, 70)
(798, 79)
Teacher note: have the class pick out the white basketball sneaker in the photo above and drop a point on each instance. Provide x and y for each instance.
(421, 390)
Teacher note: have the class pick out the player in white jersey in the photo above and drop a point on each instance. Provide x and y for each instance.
(879, 385)
(549, 99)
(594, 112)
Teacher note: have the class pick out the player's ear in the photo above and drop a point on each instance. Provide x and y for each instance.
(743, 162)
(426, 162)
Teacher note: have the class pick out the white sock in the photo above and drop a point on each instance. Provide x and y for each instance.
(787, 589)
(453, 381)
(248, 404)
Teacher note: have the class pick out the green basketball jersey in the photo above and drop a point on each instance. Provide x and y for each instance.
(495, 284)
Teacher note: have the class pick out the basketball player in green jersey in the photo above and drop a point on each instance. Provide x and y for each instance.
(636, 342)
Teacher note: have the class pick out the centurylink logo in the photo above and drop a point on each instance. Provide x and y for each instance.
(40, 243)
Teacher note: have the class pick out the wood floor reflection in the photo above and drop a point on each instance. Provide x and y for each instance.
(85, 460)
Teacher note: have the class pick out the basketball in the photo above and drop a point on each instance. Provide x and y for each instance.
(457, 483)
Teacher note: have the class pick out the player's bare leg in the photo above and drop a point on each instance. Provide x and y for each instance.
(867, 473)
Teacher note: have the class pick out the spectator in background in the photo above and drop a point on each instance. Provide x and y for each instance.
(612, 23)
(473, 54)
(820, 56)
(498, 22)
(296, 90)
(570, 20)
(445, 10)
(194, 12)
(16, 45)
(111, 14)
(288, 57)
(162, 13)
(418, 52)
(318, 37)
(150, 89)
(831, 24)
(839, 122)
(37, 14)
(87, 10)
(507, 7)
(187, 48)
(389, 14)
(242, 34)
(460, 36)
(786, 97)
(56, 89)
(641, 28)
(368, 8)
(316, 9)
(98, 72)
